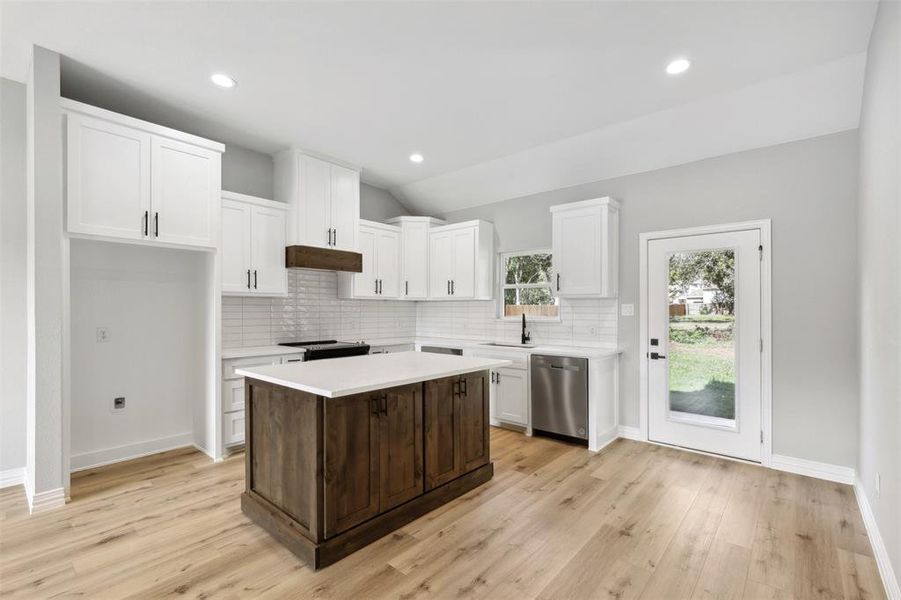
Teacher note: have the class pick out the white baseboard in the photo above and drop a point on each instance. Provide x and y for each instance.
(812, 468)
(604, 439)
(889, 580)
(11, 477)
(107, 456)
(44, 501)
(630, 433)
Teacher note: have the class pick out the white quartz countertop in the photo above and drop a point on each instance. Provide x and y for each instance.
(252, 351)
(336, 377)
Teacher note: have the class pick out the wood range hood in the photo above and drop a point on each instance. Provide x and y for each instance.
(325, 259)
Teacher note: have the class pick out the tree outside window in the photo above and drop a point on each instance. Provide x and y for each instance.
(526, 285)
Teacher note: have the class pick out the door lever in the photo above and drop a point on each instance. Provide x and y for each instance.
(655, 356)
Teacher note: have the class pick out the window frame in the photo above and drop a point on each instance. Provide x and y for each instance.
(502, 285)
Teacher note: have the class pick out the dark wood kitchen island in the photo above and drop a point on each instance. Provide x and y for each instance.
(341, 452)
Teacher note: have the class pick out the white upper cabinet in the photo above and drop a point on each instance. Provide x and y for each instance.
(380, 246)
(253, 246)
(323, 200)
(586, 247)
(414, 255)
(461, 261)
(132, 180)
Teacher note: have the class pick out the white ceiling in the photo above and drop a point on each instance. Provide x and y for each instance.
(467, 84)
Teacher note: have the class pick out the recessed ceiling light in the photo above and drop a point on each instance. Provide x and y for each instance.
(416, 157)
(222, 80)
(680, 65)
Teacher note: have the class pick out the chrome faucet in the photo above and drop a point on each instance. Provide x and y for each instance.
(526, 335)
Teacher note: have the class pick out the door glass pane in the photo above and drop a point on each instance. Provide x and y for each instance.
(701, 353)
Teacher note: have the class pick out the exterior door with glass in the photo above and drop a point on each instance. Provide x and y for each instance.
(704, 342)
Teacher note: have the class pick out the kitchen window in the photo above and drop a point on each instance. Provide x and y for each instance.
(526, 286)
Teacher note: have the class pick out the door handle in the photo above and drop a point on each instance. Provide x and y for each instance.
(248, 279)
(156, 224)
(146, 222)
(254, 279)
(655, 356)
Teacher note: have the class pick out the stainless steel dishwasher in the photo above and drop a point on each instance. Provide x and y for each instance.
(560, 395)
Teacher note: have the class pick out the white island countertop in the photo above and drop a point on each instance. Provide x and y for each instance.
(336, 377)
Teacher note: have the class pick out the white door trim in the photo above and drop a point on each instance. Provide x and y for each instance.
(766, 308)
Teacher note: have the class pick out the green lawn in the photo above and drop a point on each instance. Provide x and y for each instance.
(702, 371)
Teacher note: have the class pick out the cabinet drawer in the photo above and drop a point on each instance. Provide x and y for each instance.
(233, 428)
(232, 395)
(229, 366)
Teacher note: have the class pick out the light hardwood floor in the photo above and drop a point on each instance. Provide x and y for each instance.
(635, 521)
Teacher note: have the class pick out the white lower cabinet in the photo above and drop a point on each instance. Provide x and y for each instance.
(233, 393)
(510, 388)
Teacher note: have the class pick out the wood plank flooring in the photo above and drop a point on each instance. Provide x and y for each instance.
(634, 521)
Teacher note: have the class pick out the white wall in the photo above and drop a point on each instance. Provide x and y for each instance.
(377, 204)
(152, 300)
(880, 278)
(13, 332)
(808, 189)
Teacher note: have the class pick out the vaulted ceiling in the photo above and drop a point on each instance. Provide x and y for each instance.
(502, 98)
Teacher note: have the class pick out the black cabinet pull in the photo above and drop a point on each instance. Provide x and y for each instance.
(558, 282)
(146, 222)
(254, 279)
(374, 406)
(464, 389)
(248, 279)
(406, 288)
(376, 283)
(456, 388)
(448, 287)
(384, 401)
(497, 379)
(156, 224)
(453, 286)
(334, 237)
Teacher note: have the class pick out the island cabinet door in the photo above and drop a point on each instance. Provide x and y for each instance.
(351, 457)
(474, 433)
(401, 445)
(443, 456)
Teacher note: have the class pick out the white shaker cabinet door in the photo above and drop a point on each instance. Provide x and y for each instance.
(577, 252)
(440, 264)
(108, 178)
(511, 392)
(415, 261)
(345, 207)
(184, 193)
(464, 259)
(315, 182)
(267, 234)
(365, 284)
(236, 250)
(388, 257)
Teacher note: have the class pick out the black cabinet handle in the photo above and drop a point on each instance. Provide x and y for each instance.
(254, 279)
(464, 389)
(248, 279)
(156, 224)
(453, 287)
(406, 288)
(497, 379)
(456, 388)
(374, 406)
(384, 401)
(376, 283)
(558, 282)
(334, 237)
(146, 222)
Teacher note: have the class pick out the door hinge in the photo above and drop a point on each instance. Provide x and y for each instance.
(760, 249)
(761, 344)
(761, 436)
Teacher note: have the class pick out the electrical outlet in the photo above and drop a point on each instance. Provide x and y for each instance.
(627, 310)
(102, 335)
(119, 403)
(878, 484)
(592, 331)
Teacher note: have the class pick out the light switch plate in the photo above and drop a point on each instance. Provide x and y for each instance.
(102, 335)
(627, 310)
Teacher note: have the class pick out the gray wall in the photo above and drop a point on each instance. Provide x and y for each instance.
(247, 172)
(880, 278)
(13, 331)
(808, 189)
(377, 204)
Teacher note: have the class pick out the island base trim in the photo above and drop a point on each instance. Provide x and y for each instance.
(322, 554)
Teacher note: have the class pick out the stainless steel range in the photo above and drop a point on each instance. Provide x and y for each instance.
(320, 349)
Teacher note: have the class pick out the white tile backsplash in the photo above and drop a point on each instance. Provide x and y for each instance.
(312, 310)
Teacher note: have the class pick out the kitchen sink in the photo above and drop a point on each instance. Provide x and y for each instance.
(508, 345)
